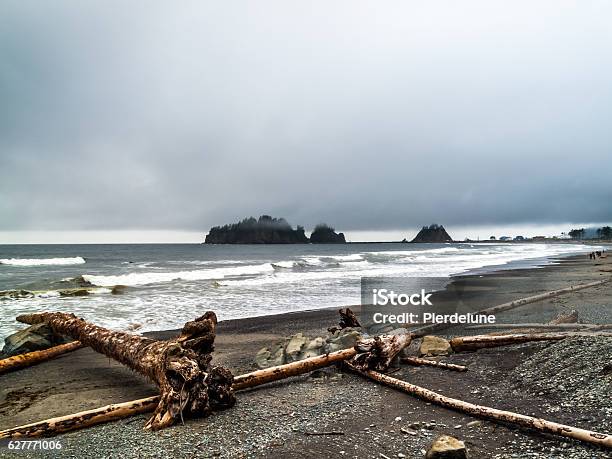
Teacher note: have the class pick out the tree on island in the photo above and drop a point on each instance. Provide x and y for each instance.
(325, 234)
(265, 230)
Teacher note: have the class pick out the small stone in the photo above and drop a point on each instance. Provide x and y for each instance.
(473, 424)
(401, 455)
(398, 419)
(447, 447)
(434, 345)
(458, 426)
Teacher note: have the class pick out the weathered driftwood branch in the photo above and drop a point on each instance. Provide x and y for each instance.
(188, 385)
(248, 380)
(34, 357)
(428, 329)
(471, 343)
(535, 326)
(83, 419)
(259, 377)
(432, 363)
(347, 319)
(485, 412)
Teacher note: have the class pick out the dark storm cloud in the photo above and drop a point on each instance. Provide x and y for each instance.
(118, 115)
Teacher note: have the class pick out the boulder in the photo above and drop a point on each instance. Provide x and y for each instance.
(34, 338)
(118, 289)
(16, 294)
(342, 339)
(312, 349)
(565, 318)
(74, 292)
(434, 345)
(271, 357)
(293, 350)
(447, 447)
(80, 281)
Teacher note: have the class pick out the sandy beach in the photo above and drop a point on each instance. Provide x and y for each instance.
(286, 419)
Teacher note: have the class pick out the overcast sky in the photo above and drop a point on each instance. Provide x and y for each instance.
(171, 117)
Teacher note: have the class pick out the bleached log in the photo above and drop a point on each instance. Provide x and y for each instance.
(471, 343)
(590, 327)
(83, 419)
(540, 425)
(32, 358)
(259, 377)
(432, 363)
(428, 329)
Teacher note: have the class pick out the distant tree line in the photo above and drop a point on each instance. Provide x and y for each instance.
(604, 232)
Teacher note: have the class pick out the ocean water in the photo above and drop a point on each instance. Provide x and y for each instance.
(169, 284)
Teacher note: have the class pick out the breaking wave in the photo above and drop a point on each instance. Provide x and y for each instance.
(42, 261)
(134, 279)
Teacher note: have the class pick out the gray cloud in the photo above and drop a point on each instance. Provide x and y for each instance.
(152, 115)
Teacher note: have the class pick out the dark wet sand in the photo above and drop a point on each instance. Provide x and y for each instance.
(273, 421)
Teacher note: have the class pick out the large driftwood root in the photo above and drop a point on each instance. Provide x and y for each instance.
(189, 386)
(379, 352)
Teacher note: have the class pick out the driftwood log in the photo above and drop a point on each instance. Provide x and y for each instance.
(121, 410)
(34, 357)
(536, 326)
(432, 363)
(259, 377)
(472, 343)
(494, 414)
(88, 418)
(428, 329)
(188, 384)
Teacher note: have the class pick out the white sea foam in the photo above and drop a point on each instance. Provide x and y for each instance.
(352, 257)
(42, 261)
(146, 278)
(284, 264)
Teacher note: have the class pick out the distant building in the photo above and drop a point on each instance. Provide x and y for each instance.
(505, 238)
(539, 238)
